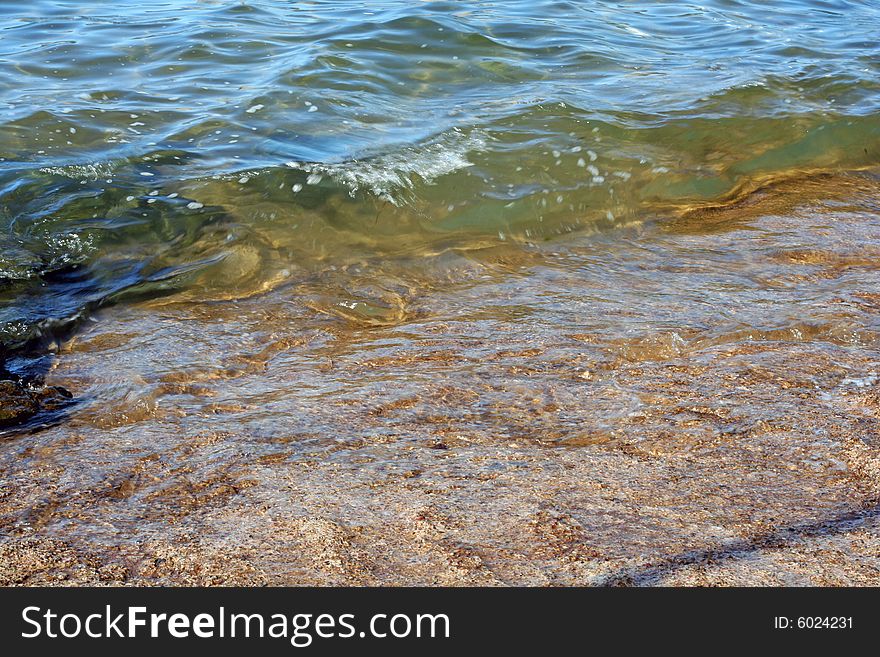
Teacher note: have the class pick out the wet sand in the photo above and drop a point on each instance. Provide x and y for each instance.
(689, 400)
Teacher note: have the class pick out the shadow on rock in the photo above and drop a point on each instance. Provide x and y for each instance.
(780, 537)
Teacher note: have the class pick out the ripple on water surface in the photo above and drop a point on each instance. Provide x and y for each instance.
(215, 150)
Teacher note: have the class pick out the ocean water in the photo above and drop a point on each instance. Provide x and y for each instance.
(458, 293)
(218, 149)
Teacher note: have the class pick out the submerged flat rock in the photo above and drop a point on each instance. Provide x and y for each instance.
(655, 404)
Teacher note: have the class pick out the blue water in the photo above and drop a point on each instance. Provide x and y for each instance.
(169, 147)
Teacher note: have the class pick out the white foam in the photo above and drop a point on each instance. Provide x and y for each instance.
(95, 171)
(389, 174)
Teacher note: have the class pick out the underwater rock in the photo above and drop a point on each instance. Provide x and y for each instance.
(16, 404)
(19, 403)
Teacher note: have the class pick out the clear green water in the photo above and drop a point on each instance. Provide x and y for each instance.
(212, 149)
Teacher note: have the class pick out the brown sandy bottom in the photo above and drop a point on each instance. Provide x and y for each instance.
(690, 401)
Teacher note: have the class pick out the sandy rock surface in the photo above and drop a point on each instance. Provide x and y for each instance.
(687, 402)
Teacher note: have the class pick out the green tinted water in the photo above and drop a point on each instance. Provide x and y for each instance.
(212, 150)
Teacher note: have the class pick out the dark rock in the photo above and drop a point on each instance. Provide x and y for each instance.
(54, 397)
(17, 404)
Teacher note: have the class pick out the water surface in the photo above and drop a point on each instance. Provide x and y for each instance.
(439, 293)
(217, 149)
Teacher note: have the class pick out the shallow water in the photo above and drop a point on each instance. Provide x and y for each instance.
(693, 400)
(462, 293)
(217, 149)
